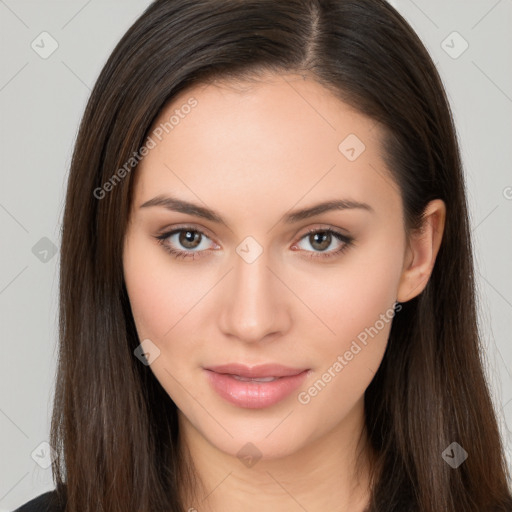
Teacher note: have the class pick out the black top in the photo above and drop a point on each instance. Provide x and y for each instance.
(46, 502)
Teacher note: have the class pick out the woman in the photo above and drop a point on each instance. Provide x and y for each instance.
(267, 291)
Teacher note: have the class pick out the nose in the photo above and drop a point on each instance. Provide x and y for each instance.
(256, 304)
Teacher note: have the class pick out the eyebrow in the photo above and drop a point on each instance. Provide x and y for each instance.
(181, 206)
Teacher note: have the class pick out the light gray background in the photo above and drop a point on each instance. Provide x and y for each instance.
(41, 103)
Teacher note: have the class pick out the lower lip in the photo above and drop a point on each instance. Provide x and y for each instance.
(251, 394)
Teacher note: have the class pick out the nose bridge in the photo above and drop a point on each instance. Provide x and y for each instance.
(253, 307)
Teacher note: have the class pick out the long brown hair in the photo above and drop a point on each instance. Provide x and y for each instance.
(114, 427)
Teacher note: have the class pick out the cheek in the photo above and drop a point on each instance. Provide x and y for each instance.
(158, 298)
(348, 298)
(355, 301)
(360, 313)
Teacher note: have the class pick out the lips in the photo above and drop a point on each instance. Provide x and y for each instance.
(254, 387)
(264, 371)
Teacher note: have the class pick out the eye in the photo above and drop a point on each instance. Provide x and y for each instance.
(322, 239)
(186, 237)
(191, 240)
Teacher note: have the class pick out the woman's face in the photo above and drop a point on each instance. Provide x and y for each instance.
(256, 288)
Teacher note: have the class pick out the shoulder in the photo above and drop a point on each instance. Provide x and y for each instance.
(47, 502)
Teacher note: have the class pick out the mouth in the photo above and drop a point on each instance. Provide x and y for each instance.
(260, 372)
(264, 386)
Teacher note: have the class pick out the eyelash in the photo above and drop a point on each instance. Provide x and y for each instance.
(348, 242)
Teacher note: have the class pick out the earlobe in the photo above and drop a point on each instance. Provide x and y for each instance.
(421, 252)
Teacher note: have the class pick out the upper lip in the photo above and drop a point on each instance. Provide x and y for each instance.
(264, 370)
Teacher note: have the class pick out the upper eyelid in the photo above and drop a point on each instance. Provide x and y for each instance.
(184, 227)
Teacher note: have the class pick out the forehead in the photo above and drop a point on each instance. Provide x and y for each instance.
(282, 139)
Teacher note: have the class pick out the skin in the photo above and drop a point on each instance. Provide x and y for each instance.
(252, 154)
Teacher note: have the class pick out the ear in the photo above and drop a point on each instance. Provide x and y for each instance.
(421, 252)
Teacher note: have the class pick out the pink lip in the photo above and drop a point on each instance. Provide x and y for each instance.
(255, 395)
